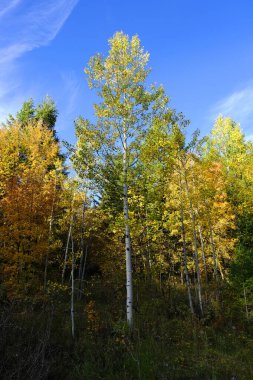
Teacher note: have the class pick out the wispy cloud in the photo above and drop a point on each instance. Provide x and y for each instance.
(238, 105)
(71, 90)
(24, 26)
(31, 25)
(7, 6)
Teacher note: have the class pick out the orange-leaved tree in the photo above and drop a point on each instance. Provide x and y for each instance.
(30, 177)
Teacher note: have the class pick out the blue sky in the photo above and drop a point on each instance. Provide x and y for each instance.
(201, 51)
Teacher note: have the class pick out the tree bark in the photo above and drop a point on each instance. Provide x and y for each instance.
(68, 239)
(185, 252)
(128, 250)
(203, 252)
(66, 252)
(83, 256)
(196, 258)
(245, 302)
(83, 269)
(50, 234)
(213, 250)
(72, 289)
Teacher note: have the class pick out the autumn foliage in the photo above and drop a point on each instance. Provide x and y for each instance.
(180, 207)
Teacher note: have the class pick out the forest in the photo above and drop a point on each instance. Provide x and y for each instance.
(129, 254)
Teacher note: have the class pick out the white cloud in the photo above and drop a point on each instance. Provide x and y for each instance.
(7, 6)
(25, 25)
(71, 90)
(238, 105)
(36, 24)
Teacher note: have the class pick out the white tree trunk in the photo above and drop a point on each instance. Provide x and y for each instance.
(82, 242)
(246, 304)
(72, 290)
(50, 234)
(68, 239)
(187, 280)
(213, 251)
(203, 252)
(128, 250)
(196, 257)
(83, 270)
(66, 252)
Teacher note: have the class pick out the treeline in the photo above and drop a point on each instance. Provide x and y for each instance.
(152, 218)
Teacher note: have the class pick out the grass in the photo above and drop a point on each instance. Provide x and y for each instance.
(167, 342)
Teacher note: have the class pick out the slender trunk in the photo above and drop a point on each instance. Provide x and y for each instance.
(203, 252)
(184, 252)
(49, 234)
(45, 271)
(185, 263)
(83, 269)
(213, 250)
(66, 252)
(80, 268)
(129, 281)
(68, 239)
(82, 253)
(245, 302)
(160, 278)
(220, 269)
(148, 256)
(196, 258)
(82, 242)
(182, 270)
(46, 258)
(72, 290)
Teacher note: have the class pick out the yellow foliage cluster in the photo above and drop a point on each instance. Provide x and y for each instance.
(30, 177)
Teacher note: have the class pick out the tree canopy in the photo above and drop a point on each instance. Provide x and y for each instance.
(149, 217)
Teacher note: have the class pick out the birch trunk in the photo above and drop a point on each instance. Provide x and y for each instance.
(184, 252)
(185, 263)
(203, 252)
(148, 257)
(50, 234)
(245, 302)
(196, 258)
(66, 252)
(128, 251)
(81, 264)
(220, 269)
(83, 269)
(213, 250)
(68, 240)
(212, 245)
(72, 290)
(213, 253)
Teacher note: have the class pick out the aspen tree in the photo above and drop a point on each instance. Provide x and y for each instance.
(128, 107)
